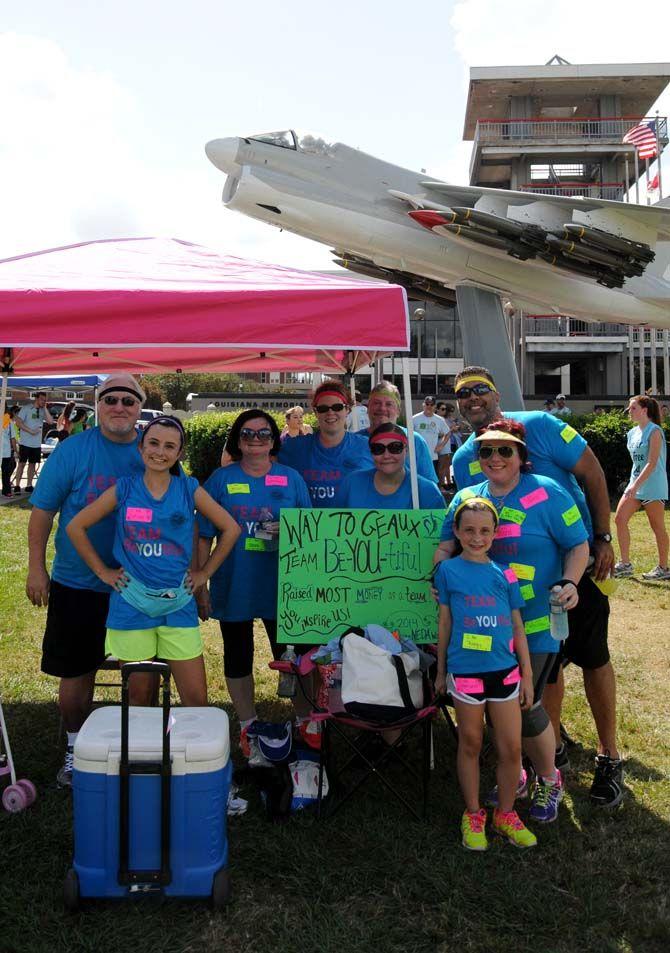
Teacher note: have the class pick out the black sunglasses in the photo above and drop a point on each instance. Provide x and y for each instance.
(477, 389)
(505, 452)
(395, 447)
(113, 401)
(262, 435)
(324, 408)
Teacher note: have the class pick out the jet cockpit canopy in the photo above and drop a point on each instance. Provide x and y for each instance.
(289, 139)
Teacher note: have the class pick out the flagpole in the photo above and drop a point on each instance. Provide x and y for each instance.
(637, 178)
(627, 178)
(658, 156)
(646, 171)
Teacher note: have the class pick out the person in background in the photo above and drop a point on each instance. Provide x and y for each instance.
(324, 458)
(647, 486)
(384, 408)
(363, 421)
(64, 422)
(549, 406)
(433, 429)
(8, 451)
(77, 600)
(253, 489)
(558, 451)
(561, 409)
(79, 421)
(30, 421)
(295, 425)
(444, 456)
(388, 486)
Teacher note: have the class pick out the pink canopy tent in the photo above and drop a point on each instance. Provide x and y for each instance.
(148, 305)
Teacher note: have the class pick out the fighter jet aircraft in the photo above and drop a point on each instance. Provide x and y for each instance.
(588, 258)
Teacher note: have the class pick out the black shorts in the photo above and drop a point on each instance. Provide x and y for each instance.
(586, 645)
(238, 646)
(74, 637)
(29, 454)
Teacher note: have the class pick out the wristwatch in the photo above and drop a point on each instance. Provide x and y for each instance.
(603, 537)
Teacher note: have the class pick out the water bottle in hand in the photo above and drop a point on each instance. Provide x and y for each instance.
(558, 616)
(287, 686)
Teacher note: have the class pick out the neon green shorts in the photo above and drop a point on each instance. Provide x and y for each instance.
(165, 641)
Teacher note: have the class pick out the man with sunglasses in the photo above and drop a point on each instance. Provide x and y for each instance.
(77, 601)
(433, 429)
(324, 458)
(384, 408)
(556, 450)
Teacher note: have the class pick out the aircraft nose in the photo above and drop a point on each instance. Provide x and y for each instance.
(223, 153)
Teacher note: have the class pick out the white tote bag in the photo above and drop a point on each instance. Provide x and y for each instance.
(377, 684)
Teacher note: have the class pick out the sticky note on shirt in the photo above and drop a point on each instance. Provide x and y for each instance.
(532, 499)
(568, 433)
(527, 592)
(522, 571)
(138, 514)
(511, 515)
(238, 488)
(572, 515)
(537, 625)
(474, 467)
(508, 530)
(480, 643)
(276, 479)
(251, 544)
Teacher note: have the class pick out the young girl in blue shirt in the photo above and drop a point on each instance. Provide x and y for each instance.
(483, 663)
(152, 612)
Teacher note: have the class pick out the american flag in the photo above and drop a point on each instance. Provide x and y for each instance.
(643, 137)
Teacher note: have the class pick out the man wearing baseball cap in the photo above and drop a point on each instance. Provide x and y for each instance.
(384, 408)
(74, 475)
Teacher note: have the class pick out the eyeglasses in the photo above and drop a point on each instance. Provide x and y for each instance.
(485, 453)
(263, 435)
(324, 408)
(441, 408)
(113, 401)
(395, 447)
(477, 389)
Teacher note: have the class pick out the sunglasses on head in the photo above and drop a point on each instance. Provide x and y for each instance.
(262, 435)
(324, 408)
(394, 446)
(477, 389)
(505, 452)
(113, 401)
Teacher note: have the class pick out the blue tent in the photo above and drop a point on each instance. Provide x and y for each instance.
(59, 383)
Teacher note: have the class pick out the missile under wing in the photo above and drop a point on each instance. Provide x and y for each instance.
(590, 258)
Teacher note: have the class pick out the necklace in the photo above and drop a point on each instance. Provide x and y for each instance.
(499, 501)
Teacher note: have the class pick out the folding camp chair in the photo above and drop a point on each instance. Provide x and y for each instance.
(358, 736)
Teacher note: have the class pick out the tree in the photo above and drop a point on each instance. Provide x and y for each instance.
(176, 387)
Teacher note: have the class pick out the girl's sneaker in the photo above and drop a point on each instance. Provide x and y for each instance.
(621, 570)
(658, 573)
(473, 826)
(511, 826)
(491, 799)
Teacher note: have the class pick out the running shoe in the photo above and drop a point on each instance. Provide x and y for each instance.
(29, 489)
(64, 776)
(658, 573)
(473, 824)
(491, 799)
(621, 570)
(510, 825)
(546, 798)
(607, 789)
(561, 757)
(310, 733)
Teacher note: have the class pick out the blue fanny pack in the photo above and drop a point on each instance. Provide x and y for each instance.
(155, 602)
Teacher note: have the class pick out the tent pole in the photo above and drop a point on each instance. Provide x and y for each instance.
(409, 423)
(3, 403)
(354, 408)
(95, 403)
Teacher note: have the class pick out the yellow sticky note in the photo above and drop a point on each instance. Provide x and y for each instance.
(512, 515)
(527, 592)
(475, 467)
(238, 488)
(537, 625)
(523, 572)
(568, 433)
(254, 545)
(481, 643)
(572, 515)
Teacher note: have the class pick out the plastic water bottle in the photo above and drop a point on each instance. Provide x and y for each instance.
(558, 616)
(287, 686)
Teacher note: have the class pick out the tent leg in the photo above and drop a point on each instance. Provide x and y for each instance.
(354, 408)
(486, 342)
(3, 400)
(407, 395)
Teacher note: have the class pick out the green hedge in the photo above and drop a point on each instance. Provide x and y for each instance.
(206, 435)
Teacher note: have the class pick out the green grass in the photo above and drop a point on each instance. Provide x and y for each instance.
(370, 879)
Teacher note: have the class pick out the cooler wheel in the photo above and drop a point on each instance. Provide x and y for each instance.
(71, 891)
(30, 790)
(221, 889)
(14, 799)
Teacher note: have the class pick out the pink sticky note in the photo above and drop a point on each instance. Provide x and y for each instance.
(138, 514)
(532, 499)
(507, 530)
(511, 645)
(510, 575)
(276, 479)
(469, 686)
(513, 677)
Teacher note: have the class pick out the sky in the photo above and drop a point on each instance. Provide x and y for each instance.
(105, 108)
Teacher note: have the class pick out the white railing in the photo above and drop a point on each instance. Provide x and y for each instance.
(589, 190)
(553, 130)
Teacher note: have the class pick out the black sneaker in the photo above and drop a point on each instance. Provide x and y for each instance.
(607, 788)
(64, 776)
(561, 758)
(29, 489)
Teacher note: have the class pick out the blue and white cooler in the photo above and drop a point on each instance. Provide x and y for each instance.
(159, 824)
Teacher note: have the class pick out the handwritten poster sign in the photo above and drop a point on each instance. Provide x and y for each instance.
(339, 568)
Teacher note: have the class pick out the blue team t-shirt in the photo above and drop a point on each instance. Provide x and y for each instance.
(424, 461)
(554, 448)
(322, 468)
(481, 597)
(357, 491)
(153, 540)
(76, 474)
(245, 587)
(655, 487)
(539, 522)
